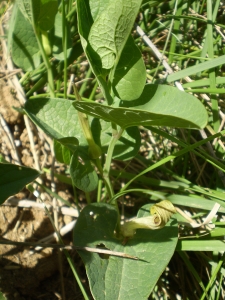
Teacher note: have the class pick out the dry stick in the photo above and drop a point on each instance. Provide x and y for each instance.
(179, 86)
(26, 203)
(58, 246)
(32, 145)
(70, 85)
(10, 138)
(9, 73)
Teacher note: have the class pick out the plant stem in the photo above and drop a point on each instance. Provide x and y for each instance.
(105, 179)
(46, 62)
(115, 136)
(94, 149)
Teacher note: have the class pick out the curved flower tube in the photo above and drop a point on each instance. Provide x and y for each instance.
(160, 215)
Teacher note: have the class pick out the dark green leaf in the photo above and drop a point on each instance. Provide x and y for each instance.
(159, 105)
(46, 17)
(84, 177)
(56, 117)
(24, 46)
(13, 178)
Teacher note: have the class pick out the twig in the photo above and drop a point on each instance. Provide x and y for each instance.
(207, 220)
(14, 153)
(58, 246)
(32, 145)
(25, 203)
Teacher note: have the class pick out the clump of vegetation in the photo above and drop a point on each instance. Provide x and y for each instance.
(137, 126)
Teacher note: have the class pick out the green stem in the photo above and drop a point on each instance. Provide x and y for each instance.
(106, 180)
(115, 136)
(94, 149)
(46, 62)
(91, 97)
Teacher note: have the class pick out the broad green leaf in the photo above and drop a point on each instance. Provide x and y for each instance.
(24, 46)
(104, 30)
(83, 176)
(26, 7)
(126, 147)
(46, 17)
(116, 277)
(13, 178)
(159, 105)
(111, 30)
(40, 13)
(56, 117)
(85, 21)
(97, 7)
(130, 75)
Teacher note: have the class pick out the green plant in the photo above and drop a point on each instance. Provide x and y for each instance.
(88, 135)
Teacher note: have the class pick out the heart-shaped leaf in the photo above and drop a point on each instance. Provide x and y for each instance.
(116, 277)
(39, 12)
(159, 105)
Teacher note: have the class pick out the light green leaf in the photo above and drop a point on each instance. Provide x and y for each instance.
(122, 278)
(83, 176)
(130, 75)
(26, 7)
(111, 30)
(56, 117)
(97, 7)
(126, 147)
(158, 105)
(13, 178)
(24, 46)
